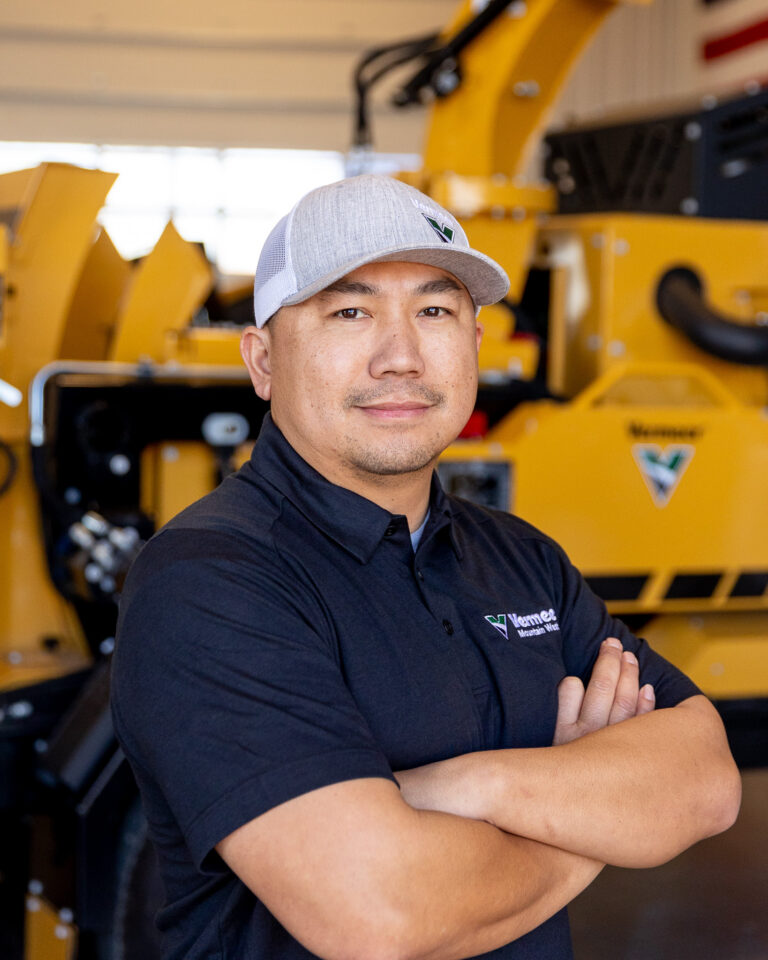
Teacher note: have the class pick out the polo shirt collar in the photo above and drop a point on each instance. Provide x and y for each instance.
(357, 524)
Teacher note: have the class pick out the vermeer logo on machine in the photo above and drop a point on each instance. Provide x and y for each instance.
(662, 469)
(529, 625)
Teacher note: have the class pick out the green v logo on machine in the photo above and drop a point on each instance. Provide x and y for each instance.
(662, 469)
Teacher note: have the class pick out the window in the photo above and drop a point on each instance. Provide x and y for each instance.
(227, 199)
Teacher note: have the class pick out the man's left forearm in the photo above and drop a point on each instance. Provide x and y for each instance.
(634, 794)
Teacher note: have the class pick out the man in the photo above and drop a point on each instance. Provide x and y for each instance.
(339, 753)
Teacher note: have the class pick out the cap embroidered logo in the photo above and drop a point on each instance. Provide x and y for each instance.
(441, 229)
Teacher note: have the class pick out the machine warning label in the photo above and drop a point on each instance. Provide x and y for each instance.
(662, 469)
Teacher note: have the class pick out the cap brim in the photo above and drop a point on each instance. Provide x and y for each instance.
(485, 280)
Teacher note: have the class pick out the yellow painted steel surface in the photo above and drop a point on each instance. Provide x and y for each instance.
(723, 653)
(510, 81)
(46, 935)
(608, 267)
(168, 286)
(173, 475)
(52, 209)
(96, 302)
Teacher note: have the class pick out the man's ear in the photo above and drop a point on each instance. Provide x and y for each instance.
(479, 331)
(255, 347)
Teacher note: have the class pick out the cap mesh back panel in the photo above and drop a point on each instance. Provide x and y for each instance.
(274, 280)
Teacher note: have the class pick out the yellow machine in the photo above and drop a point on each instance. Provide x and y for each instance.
(621, 410)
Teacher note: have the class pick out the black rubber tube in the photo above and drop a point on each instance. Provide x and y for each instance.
(681, 302)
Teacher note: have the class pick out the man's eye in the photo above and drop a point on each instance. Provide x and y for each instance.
(433, 311)
(350, 313)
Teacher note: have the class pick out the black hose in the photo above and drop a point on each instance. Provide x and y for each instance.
(13, 465)
(681, 301)
(374, 65)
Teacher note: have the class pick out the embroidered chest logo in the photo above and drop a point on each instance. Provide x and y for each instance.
(530, 625)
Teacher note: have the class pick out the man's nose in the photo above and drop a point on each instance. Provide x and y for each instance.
(398, 351)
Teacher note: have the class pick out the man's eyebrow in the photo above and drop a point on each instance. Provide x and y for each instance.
(441, 285)
(350, 286)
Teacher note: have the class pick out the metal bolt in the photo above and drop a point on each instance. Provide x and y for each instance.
(597, 240)
(81, 536)
(621, 247)
(526, 88)
(41, 746)
(124, 538)
(497, 212)
(72, 496)
(717, 669)
(445, 81)
(751, 87)
(170, 453)
(616, 348)
(734, 168)
(35, 887)
(95, 523)
(499, 179)
(104, 554)
(61, 932)
(761, 318)
(689, 206)
(566, 185)
(120, 465)
(517, 10)
(692, 130)
(709, 101)
(107, 584)
(594, 341)
(20, 710)
(66, 915)
(93, 572)
(518, 213)
(15, 657)
(561, 166)
(33, 904)
(107, 646)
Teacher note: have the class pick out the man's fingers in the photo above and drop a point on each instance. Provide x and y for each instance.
(646, 700)
(601, 689)
(570, 696)
(625, 700)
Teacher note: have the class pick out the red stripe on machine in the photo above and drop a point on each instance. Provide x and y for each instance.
(731, 42)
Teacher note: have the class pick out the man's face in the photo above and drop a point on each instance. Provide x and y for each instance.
(374, 376)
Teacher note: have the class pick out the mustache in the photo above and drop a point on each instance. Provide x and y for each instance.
(397, 393)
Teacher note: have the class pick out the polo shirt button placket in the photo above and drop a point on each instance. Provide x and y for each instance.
(448, 627)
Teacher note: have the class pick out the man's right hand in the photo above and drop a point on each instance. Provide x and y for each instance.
(612, 695)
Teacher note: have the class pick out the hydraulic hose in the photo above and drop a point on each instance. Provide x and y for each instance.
(681, 301)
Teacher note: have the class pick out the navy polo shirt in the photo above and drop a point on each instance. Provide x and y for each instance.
(281, 635)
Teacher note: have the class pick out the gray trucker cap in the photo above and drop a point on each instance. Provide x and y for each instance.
(337, 228)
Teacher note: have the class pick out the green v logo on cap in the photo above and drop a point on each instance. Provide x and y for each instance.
(662, 469)
(441, 229)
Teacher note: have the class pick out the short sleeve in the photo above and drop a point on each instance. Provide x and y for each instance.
(226, 687)
(586, 622)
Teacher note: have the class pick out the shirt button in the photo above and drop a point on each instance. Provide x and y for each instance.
(448, 627)
(390, 531)
(419, 574)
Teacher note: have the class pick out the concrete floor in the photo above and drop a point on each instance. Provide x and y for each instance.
(710, 903)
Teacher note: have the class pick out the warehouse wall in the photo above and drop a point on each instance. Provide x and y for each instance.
(277, 72)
